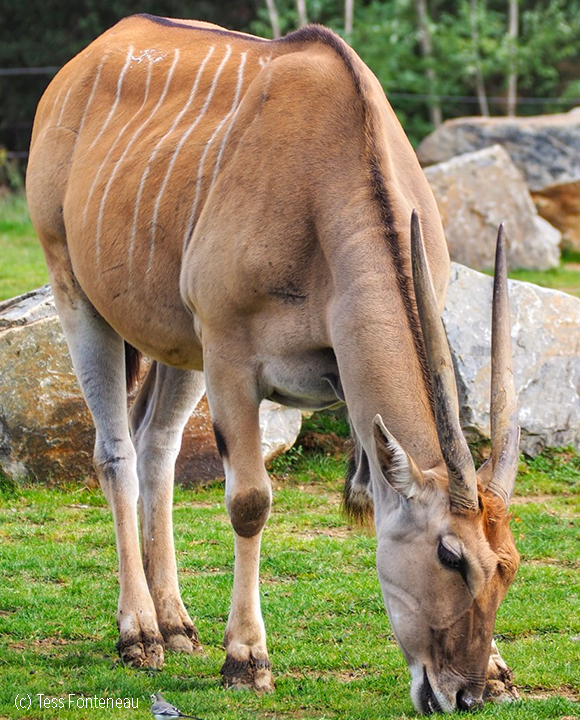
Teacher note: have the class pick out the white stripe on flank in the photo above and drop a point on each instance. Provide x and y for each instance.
(117, 97)
(153, 155)
(92, 95)
(114, 145)
(54, 107)
(233, 112)
(129, 144)
(63, 106)
(264, 62)
(178, 148)
(207, 147)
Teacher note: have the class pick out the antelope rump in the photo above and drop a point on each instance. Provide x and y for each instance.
(239, 210)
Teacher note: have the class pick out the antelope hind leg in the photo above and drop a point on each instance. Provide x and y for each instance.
(232, 397)
(98, 357)
(498, 685)
(157, 418)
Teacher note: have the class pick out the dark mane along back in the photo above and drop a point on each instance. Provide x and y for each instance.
(317, 33)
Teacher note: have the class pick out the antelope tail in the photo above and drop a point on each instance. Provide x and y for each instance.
(132, 365)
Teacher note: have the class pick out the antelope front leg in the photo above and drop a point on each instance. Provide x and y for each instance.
(140, 643)
(247, 664)
(234, 406)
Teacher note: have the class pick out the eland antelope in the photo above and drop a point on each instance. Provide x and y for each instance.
(238, 210)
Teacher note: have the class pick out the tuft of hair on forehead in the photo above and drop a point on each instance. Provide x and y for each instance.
(496, 526)
(494, 517)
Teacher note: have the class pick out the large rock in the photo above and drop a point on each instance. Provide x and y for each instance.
(546, 346)
(45, 429)
(46, 432)
(475, 192)
(545, 148)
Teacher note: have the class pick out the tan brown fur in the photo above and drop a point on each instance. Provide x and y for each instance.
(238, 210)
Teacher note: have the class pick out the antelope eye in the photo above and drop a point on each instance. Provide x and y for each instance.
(448, 558)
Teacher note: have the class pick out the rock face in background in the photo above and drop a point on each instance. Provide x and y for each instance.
(546, 347)
(545, 148)
(46, 431)
(475, 192)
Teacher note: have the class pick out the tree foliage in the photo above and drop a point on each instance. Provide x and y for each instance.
(386, 34)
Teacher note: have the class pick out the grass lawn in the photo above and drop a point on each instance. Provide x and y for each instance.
(565, 278)
(22, 265)
(329, 637)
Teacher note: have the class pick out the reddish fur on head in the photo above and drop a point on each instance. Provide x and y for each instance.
(496, 526)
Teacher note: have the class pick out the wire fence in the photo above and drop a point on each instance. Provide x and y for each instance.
(471, 99)
(50, 70)
(429, 99)
(422, 97)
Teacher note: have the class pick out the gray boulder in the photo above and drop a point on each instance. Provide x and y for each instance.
(46, 432)
(475, 192)
(545, 148)
(546, 346)
(45, 428)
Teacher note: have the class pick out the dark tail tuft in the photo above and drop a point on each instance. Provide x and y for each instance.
(132, 365)
(357, 504)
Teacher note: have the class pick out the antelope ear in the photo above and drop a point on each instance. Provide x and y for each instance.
(397, 466)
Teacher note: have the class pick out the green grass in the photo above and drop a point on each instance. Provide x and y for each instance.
(22, 266)
(566, 277)
(330, 642)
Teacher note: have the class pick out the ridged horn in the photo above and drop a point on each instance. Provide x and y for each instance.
(460, 467)
(505, 433)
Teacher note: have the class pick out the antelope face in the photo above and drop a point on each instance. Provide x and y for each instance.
(443, 575)
(446, 555)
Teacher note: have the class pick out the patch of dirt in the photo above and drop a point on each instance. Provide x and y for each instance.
(198, 504)
(532, 499)
(51, 642)
(277, 579)
(43, 643)
(542, 561)
(328, 443)
(540, 693)
(344, 676)
(313, 488)
(18, 646)
(338, 532)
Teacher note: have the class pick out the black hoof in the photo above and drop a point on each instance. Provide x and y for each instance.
(141, 652)
(252, 674)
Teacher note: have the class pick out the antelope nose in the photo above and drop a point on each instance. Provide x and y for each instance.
(466, 701)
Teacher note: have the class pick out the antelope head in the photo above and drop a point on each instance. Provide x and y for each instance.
(445, 554)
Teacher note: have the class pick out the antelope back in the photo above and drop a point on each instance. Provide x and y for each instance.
(136, 133)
